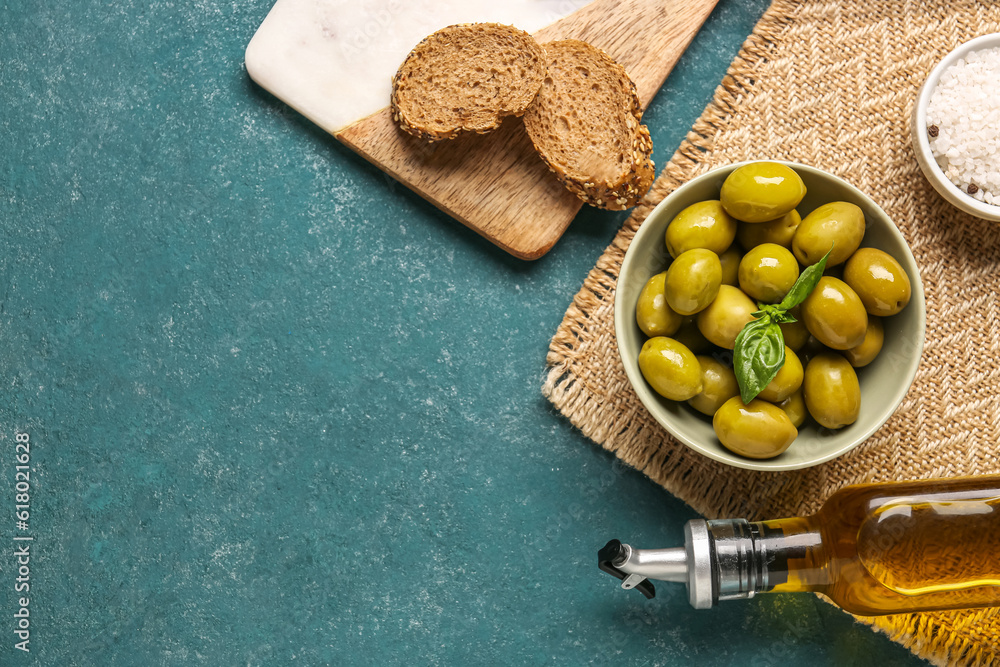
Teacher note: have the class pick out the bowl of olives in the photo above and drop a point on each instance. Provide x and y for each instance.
(769, 315)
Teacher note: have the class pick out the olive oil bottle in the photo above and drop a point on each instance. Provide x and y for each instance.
(872, 549)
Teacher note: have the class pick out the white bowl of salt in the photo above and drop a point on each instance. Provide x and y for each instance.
(956, 127)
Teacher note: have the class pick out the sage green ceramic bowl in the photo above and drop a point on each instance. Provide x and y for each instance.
(884, 382)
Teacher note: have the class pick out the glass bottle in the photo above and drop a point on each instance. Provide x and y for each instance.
(872, 549)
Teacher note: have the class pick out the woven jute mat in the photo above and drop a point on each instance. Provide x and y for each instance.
(829, 84)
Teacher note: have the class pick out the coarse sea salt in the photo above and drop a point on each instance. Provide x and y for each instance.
(963, 118)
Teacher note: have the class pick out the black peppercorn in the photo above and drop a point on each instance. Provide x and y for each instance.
(933, 130)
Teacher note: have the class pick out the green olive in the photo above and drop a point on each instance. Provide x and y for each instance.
(780, 231)
(834, 314)
(725, 317)
(761, 191)
(865, 353)
(671, 369)
(795, 333)
(795, 407)
(879, 280)
(718, 385)
(693, 281)
(757, 430)
(831, 390)
(731, 266)
(839, 225)
(652, 312)
(786, 382)
(691, 337)
(702, 225)
(767, 272)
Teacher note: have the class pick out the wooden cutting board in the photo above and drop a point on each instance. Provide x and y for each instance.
(495, 184)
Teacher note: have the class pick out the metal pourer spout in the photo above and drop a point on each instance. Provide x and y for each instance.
(718, 561)
(612, 557)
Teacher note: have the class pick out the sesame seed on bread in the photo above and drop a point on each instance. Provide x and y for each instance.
(466, 78)
(585, 123)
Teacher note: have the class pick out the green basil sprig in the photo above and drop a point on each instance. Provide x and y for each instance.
(760, 348)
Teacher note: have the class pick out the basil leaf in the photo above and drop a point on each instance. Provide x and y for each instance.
(742, 358)
(773, 310)
(805, 284)
(758, 356)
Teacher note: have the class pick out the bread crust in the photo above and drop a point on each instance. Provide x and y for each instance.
(610, 167)
(489, 71)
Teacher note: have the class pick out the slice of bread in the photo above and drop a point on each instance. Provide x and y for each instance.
(466, 77)
(585, 123)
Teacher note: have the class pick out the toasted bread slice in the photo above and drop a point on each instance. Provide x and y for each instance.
(466, 77)
(585, 123)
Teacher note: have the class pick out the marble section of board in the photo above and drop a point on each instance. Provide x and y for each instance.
(333, 60)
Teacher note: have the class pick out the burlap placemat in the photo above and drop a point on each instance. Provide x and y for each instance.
(829, 84)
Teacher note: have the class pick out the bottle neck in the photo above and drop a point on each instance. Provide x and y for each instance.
(758, 557)
(730, 560)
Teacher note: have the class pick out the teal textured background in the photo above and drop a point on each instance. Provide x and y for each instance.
(285, 412)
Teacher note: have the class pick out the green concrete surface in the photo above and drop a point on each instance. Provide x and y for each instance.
(281, 410)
